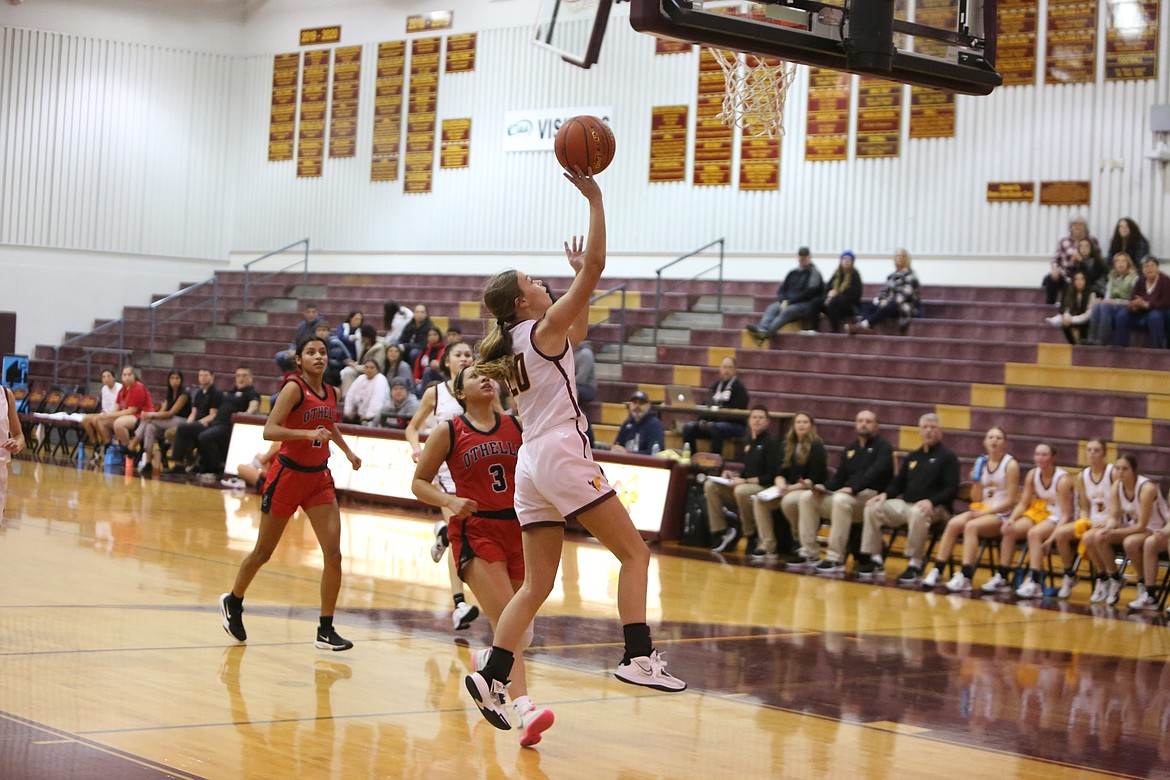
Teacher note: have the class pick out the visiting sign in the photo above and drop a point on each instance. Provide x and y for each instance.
(533, 130)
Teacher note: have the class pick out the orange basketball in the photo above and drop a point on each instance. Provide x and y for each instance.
(584, 142)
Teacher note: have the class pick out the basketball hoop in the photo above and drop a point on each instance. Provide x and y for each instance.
(755, 91)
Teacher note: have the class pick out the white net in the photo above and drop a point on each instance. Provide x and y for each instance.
(756, 89)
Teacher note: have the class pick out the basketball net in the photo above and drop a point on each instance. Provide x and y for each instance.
(755, 91)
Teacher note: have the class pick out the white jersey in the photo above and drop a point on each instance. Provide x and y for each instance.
(1096, 493)
(1131, 506)
(1048, 494)
(446, 407)
(110, 396)
(994, 483)
(545, 387)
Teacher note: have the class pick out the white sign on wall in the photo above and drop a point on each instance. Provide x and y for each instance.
(533, 130)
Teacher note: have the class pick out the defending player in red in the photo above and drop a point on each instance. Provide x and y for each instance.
(304, 419)
(479, 447)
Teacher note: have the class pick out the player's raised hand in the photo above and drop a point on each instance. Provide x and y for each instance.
(576, 252)
(584, 181)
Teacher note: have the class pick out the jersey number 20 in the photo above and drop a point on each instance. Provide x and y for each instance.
(522, 382)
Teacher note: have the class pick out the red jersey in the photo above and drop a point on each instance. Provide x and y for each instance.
(483, 464)
(137, 396)
(312, 412)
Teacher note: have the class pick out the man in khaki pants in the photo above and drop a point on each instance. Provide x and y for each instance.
(760, 453)
(921, 494)
(866, 466)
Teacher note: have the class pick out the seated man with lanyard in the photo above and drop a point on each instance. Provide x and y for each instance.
(727, 393)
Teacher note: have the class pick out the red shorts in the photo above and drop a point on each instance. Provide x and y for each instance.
(286, 489)
(489, 540)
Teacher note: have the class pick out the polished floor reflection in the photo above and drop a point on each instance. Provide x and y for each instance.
(115, 664)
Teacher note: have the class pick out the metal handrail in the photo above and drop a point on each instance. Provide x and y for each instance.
(100, 328)
(658, 290)
(621, 288)
(248, 269)
(89, 359)
(155, 306)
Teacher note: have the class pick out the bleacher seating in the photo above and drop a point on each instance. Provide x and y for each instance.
(978, 357)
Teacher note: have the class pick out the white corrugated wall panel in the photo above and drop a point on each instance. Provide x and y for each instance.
(99, 141)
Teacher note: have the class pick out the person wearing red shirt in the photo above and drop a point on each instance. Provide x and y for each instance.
(133, 400)
(1148, 307)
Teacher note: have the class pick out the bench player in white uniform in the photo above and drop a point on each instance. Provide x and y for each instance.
(1137, 509)
(1045, 504)
(1093, 486)
(1146, 565)
(530, 348)
(996, 489)
(437, 405)
(11, 441)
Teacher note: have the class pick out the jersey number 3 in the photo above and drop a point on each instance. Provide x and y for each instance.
(499, 478)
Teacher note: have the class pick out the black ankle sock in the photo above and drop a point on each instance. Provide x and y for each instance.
(1117, 575)
(1005, 572)
(458, 598)
(234, 600)
(1069, 572)
(638, 644)
(968, 571)
(499, 665)
(1038, 576)
(941, 566)
(326, 622)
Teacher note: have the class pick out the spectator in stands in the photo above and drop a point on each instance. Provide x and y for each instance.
(642, 432)
(205, 402)
(798, 298)
(586, 372)
(1128, 238)
(396, 367)
(171, 414)
(394, 319)
(366, 397)
(1147, 309)
(899, 296)
(1045, 504)
(727, 393)
(1136, 510)
(994, 493)
(1146, 564)
(133, 400)
(90, 423)
(402, 404)
(865, 467)
(429, 357)
(1066, 255)
(843, 294)
(336, 351)
(1093, 486)
(371, 349)
(350, 333)
(414, 334)
(1090, 262)
(213, 442)
(803, 465)
(1116, 291)
(920, 494)
(760, 453)
(305, 328)
(454, 335)
(1075, 310)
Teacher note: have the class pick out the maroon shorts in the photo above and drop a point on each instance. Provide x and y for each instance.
(286, 489)
(490, 540)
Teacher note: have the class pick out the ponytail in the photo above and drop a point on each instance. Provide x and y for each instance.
(495, 350)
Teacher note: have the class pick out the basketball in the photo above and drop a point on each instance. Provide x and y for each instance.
(584, 142)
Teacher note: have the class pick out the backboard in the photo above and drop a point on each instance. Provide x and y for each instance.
(573, 29)
(951, 46)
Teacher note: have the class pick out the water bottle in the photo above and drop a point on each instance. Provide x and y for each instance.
(687, 452)
(80, 454)
(977, 472)
(654, 448)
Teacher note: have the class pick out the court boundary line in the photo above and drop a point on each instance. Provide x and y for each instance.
(77, 738)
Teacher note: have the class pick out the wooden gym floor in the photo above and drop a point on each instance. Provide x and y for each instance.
(115, 665)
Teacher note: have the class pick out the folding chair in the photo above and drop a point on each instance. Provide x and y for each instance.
(63, 444)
